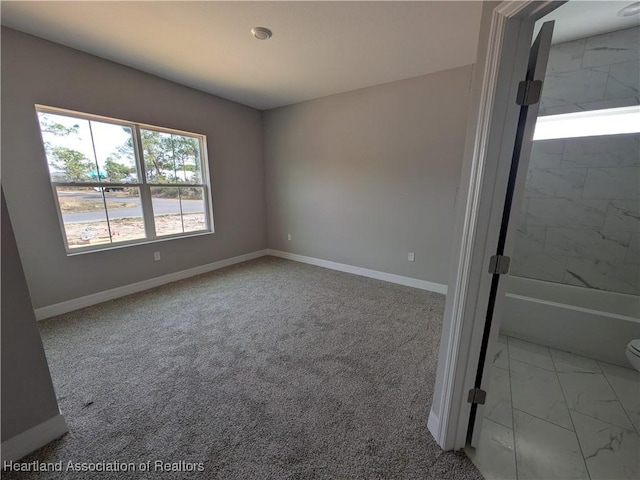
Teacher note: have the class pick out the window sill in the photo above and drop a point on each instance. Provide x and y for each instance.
(85, 251)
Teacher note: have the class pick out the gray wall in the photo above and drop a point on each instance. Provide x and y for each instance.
(367, 176)
(38, 71)
(580, 221)
(28, 398)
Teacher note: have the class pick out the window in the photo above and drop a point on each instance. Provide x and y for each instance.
(610, 121)
(118, 182)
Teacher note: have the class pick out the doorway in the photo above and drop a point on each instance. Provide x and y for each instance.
(505, 39)
(562, 400)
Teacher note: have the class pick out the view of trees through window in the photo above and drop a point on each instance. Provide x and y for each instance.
(122, 182)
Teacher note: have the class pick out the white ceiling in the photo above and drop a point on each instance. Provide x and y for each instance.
(578, 19)
(317, 49)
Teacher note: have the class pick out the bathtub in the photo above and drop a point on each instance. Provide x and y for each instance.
(593, 323)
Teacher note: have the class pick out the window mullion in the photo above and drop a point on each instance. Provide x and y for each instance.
(145, 191)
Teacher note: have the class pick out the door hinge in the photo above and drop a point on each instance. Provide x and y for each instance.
(477, 395)
(529, 92)
(499, 265)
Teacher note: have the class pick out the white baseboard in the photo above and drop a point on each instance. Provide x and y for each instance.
(95, 298)
(36, 437)
(365, 272)
(433, 424)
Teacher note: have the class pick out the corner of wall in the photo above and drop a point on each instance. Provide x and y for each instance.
(28, 397)
(34, 438)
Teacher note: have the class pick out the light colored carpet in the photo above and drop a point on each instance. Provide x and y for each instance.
(269, 369)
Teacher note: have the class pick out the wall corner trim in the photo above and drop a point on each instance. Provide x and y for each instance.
(433, 425)
(365, 272)
(99, 297)
(34, 438)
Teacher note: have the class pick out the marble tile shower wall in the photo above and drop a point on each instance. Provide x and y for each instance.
(593, 73)
(580, 220)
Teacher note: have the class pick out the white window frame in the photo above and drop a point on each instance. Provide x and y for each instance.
(143, 186)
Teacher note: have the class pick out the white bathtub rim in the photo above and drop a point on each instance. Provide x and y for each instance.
(625, 304)
(574, 307)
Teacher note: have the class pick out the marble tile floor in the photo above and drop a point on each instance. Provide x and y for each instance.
(554, 415)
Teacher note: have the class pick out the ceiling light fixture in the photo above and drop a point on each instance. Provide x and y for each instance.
(629, 10)
(261, 33)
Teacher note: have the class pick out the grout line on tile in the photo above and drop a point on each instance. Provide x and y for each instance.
(501, 424)
(575, 432)
(513, 420)
(532, 365)
(545, 420)
(584, 48)
(575, 354)
(598, 363)
(527, 363)
(635, 428)
(600, 420)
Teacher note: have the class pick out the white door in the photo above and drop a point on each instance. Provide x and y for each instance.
(528, 97)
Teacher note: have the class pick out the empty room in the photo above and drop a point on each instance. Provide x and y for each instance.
(251, 240)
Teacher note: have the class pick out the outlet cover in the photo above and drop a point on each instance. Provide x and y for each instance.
(156, 256)
(289, 237)
(411, 257)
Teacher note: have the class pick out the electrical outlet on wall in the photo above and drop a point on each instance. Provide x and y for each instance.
(411, 257)
(289, 237)
(156, 256)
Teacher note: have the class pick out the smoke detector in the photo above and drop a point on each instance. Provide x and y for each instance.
(261, 33)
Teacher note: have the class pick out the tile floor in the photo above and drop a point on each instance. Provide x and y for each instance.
(554, 415)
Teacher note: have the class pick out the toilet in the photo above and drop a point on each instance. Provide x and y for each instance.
(633, 353)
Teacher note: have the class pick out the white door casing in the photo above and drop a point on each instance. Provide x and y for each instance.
(536, 71)
(505, 40)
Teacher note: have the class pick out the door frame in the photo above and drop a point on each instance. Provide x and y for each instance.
(505, 39)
